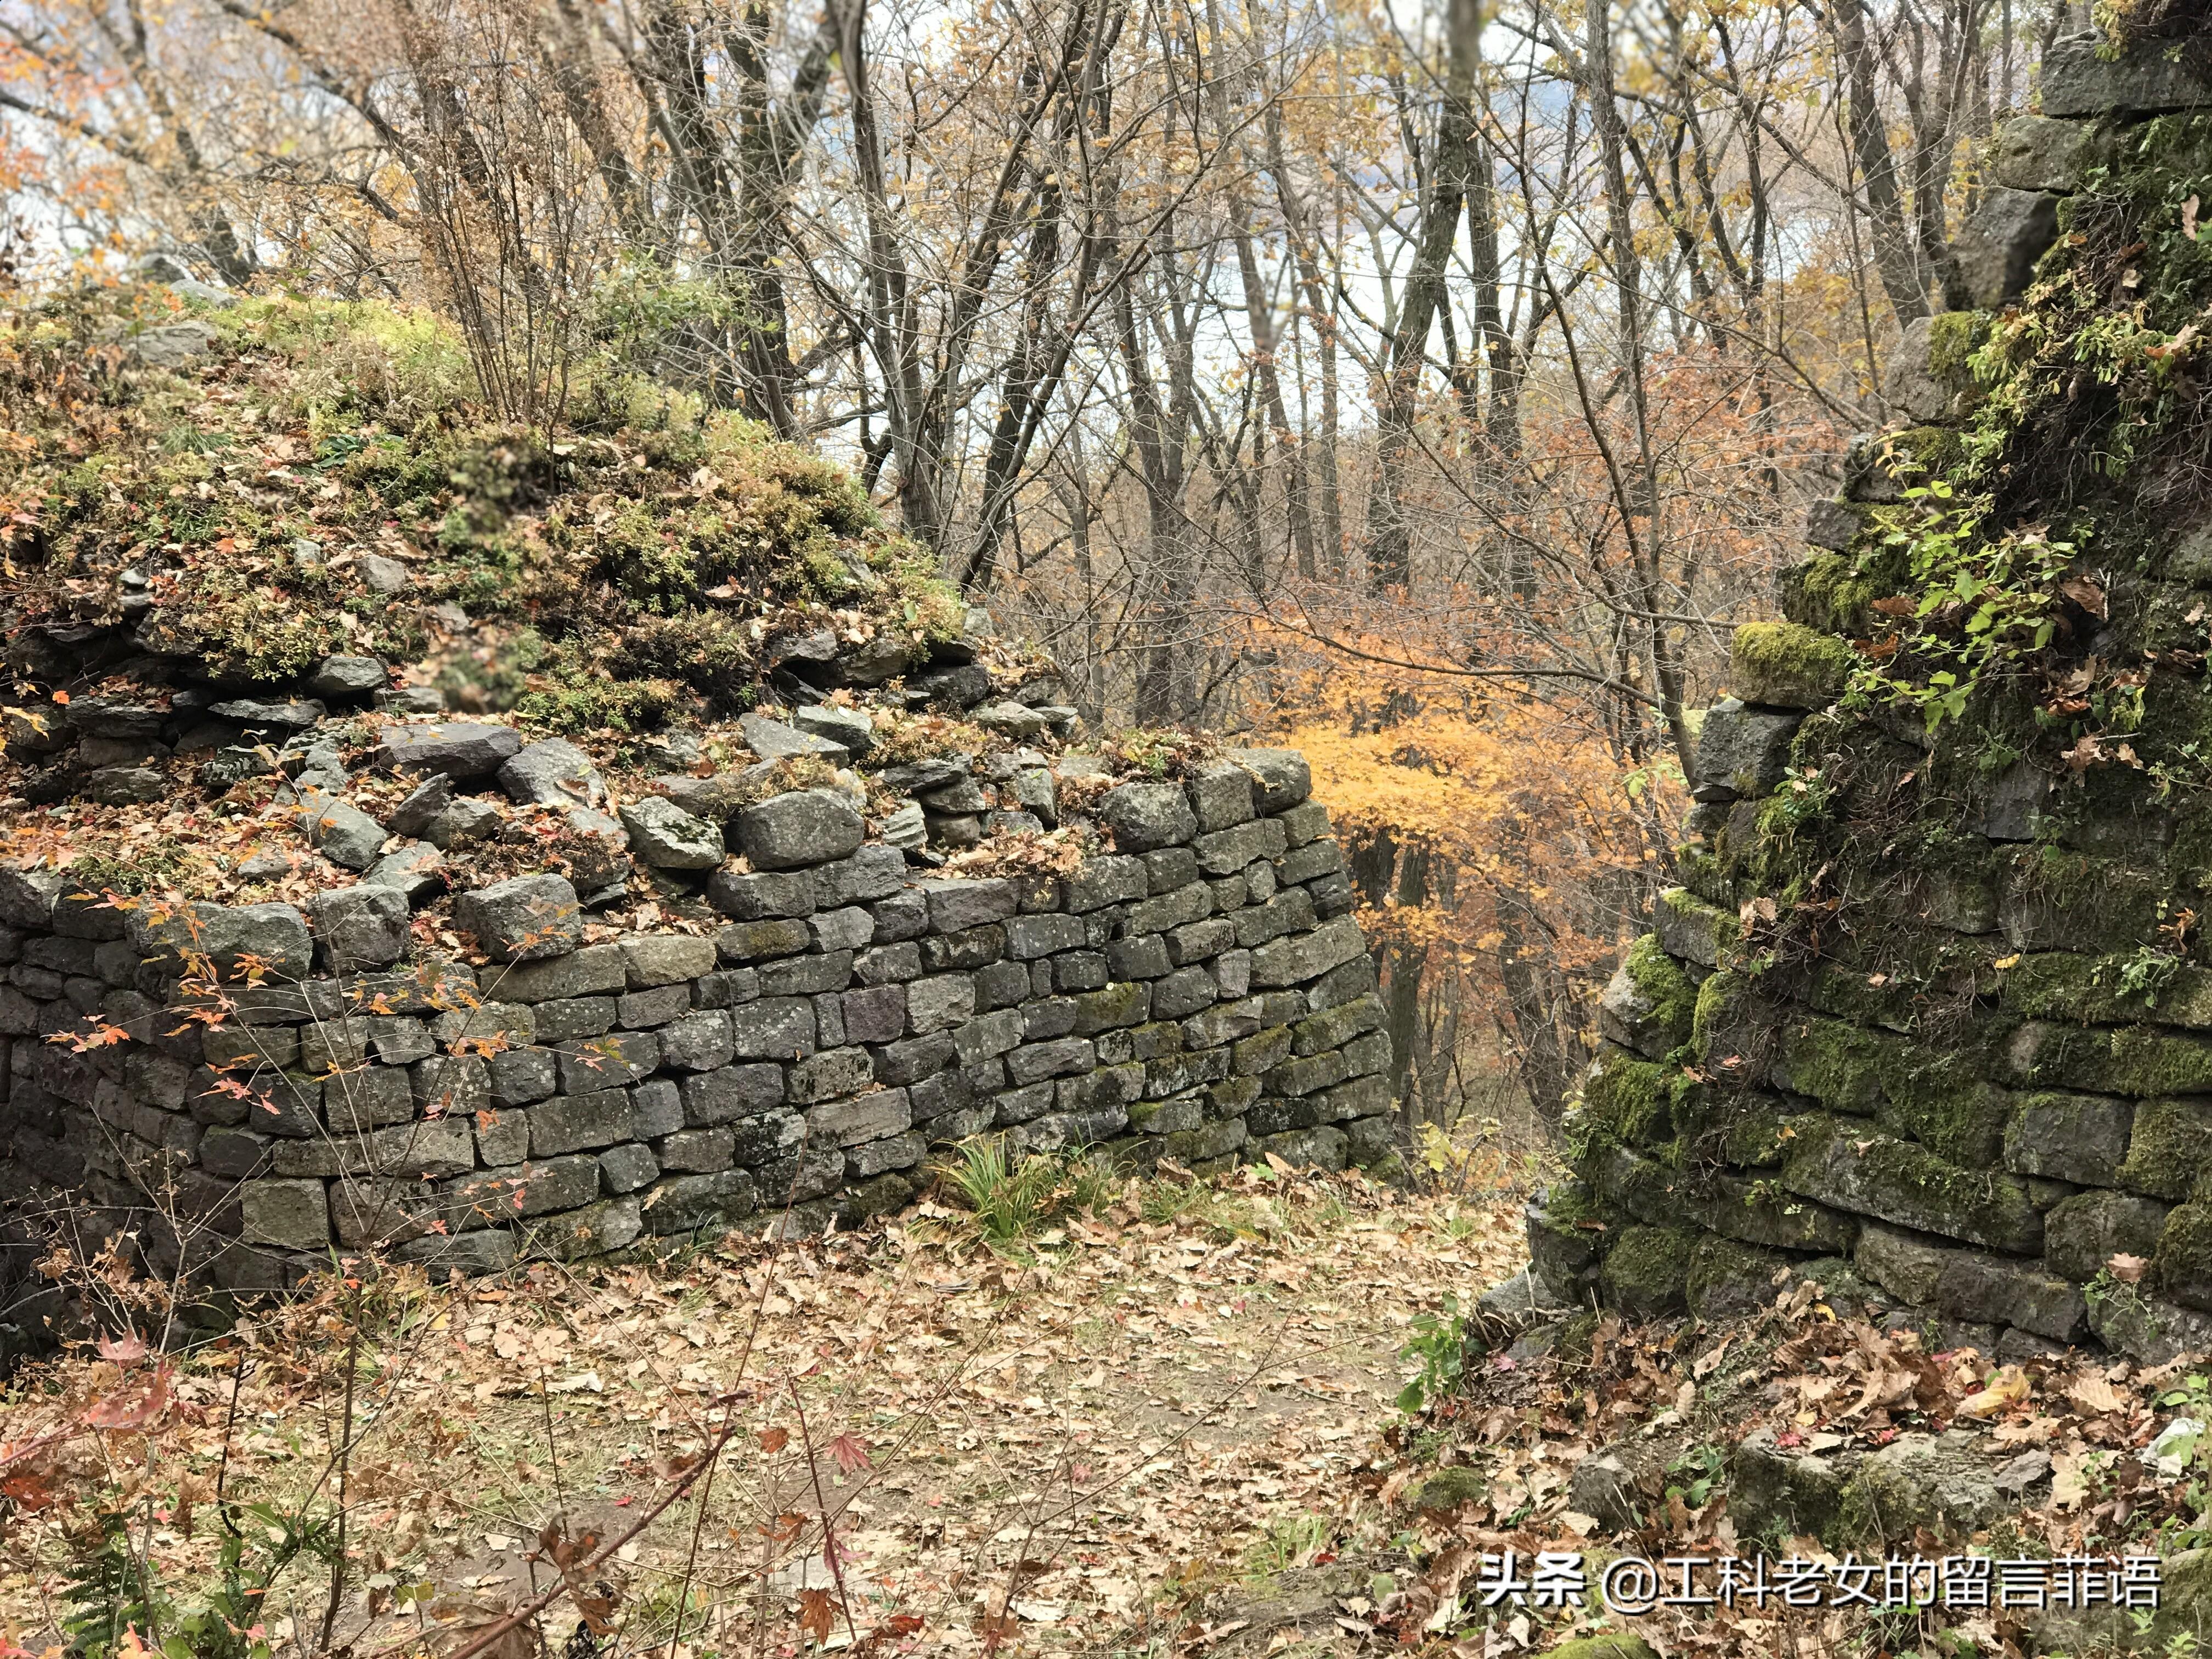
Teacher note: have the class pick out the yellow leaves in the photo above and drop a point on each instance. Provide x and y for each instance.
(2008, 1388)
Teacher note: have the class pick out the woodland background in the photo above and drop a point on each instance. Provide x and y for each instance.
(1433, 388)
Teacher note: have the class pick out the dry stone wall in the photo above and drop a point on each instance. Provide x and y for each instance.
(1929, 1019)
(250, 1089)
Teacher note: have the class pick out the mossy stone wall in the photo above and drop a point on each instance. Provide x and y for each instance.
(1932, 1007)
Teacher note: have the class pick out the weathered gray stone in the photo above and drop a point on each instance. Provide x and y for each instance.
(1009, 719)
(804, 827)
(467, 820)
(1144, 816)
(1222, 794)
(699, 1150)
(626, 1168)
(611, 1062)
(1921, 385)
(2083, 1233)
(432, 1148)
(1868, 1173)
(172, 345)
(2001, 240)
(827, 1074)
(697, 1042)
(457, 1085)
(872, 1117)
(679, 1204)
(522, 1075)
(780, 1028)
(772, 740)
(1323, 1147)
(337, 828)
(730, 1092)
(1226, 851)
(1742, 751)
(348, 676)
(1907, 1264)
(939, 1002)
(577, 1123)
(901, 1151)
(2079, 80)
(1108, 879)
(2078, 1138)
(1832, 524)
(1987, 1290)
(650, 959)
(2153, 1332)
(666, 836)
(1283, 777)
(524, 920)
(1303, 956)
(853, 730)
(361, 927)
(293, 1215)
(413, 869)
(460, 749)
(592, 970)
(124, 786)
(873, 872)
(2034, 152)
(756, 941)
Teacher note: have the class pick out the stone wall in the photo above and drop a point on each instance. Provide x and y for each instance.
(1930, 1016)
(282, 1083)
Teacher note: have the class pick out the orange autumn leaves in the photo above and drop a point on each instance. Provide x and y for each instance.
(1521, 796)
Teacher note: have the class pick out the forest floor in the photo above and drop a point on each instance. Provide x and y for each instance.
(1154, 1427)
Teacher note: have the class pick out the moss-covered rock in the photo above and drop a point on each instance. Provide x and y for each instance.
(1939, 1482)
(1648, 1003)
(2182, 1268)
(1835, 1062)
(1691, 930)
(1726, 1280)
(1627, 1099)
(1647, 1272)
(1849, 1167)
(1788, 666)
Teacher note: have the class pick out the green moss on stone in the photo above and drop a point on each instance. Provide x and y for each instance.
(2169, 1147)
(1941, 1102)
(1726, 1279)
(2146, 1061)
(1647, 1272)
(1788, 666)
(1448, 1489)
(1626, 1098)
(1660, 980)
(1953, 338)
(1835, 1062)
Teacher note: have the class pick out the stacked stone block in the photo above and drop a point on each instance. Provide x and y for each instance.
(1988, 1092)
(1202, 996)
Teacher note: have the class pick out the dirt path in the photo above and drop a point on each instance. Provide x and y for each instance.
(1173, 1395)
